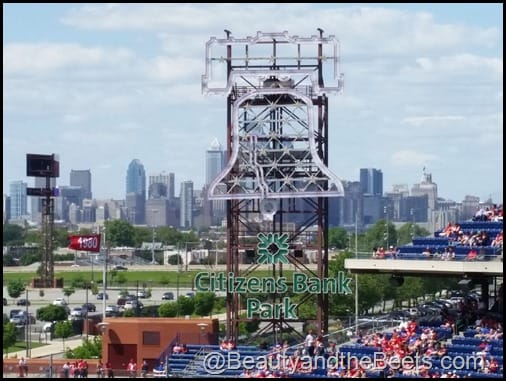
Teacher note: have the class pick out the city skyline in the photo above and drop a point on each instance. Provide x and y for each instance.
(100, 85)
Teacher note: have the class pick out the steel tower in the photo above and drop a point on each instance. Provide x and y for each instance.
(276, 180)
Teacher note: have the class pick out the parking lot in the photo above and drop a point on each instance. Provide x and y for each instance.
(77, 299)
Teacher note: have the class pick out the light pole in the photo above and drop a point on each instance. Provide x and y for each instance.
(27, 325)
(153, 262)
(356, 275)
(104, 276)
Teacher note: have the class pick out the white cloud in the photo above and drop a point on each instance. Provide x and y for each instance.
(410, 158)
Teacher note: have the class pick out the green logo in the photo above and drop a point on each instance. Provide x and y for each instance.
(272, 248)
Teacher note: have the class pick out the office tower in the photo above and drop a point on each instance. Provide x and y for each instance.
(161, 186)
(215, 161)
(371, 181)
(186, 202)
(7, 208)
(426, 186)
(19, 201)
(82, 178)
(136, 192)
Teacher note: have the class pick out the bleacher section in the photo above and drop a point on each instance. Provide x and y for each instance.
(438, 244)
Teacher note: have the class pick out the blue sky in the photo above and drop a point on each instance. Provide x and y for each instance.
(102, 84)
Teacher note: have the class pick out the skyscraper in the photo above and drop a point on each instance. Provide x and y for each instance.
(371, 181)
(82, 178)
(186, 209)
(18, 199)
(167, 179)
(215, 161)
(136, 192)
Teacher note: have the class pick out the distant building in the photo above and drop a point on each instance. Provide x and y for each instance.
(216, 160)
(186, 205)
(426, 186)
(136, 193)
(161, 186)
(82, 178)
(371, 181)
(18, 200)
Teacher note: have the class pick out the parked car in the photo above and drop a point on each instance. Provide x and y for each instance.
(189, 294)
(22, 318)
(77, 313)
(119, 268)
(111, 310)
(23, 302)
(132, 304)
(13, 313)
(168, 295)
(142, 294)
(59, 302)
(100, 296)
(90, 307)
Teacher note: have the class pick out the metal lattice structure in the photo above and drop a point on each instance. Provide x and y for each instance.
(276, 179)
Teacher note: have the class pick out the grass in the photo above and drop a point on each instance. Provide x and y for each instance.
(21, 346)
(130, 278)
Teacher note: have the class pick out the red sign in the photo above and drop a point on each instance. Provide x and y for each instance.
(85, 242)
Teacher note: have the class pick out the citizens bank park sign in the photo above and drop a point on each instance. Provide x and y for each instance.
(272, 249)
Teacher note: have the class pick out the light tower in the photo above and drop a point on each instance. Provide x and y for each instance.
(276, 182)
(46, 166)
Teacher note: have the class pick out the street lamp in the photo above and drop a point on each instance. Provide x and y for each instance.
(104, 276)
(153, 262)
(27, 325)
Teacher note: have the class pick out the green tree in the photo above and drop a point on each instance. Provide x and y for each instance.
(15, 287)
(13, 235)
(204, 303)
(67, 291)
(61, 237)
(88, 350)
(63, 329)
(119, 233)
(8, 260)
(10, 335)
(186, 305)
(407, 231)
(168, 309)
(51, 313)
(175, 259)
(338, 238)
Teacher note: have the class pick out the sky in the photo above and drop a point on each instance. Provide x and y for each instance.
(103, 84)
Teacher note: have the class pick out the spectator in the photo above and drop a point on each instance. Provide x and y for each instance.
(100, 369)
(132, 368)
(144, 369)
(23, 367)
(66, 370)
(110, 371)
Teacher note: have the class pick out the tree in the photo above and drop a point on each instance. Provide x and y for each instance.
(175, 259)
(15, 288)
(63, 329)
(119, 233)
(52, 313)
(88, 350)
(338, 238)
(13, 235)
(67, 291)
(10, 335)
(186, 305)
(204, 303)
(168, 309)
